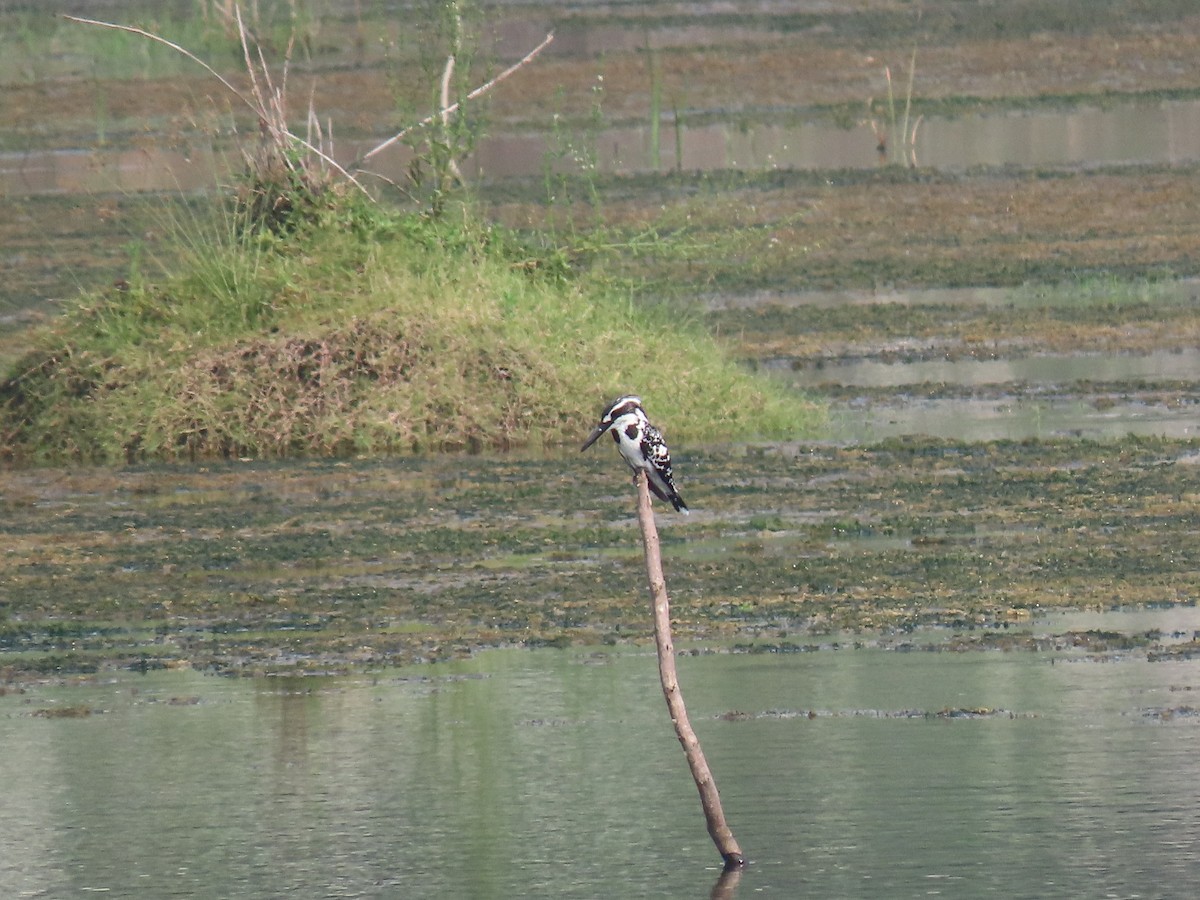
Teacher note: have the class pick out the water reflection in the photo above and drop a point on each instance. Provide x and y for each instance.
(1038, 402)
(1093, 395)
(556, 774)
(1181, 290)
(1050, 368)
(1012, 418)
(1161, 132)
(1148, 133)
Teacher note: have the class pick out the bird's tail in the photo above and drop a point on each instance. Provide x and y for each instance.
(667, 494)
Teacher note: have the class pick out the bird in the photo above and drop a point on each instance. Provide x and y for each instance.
(642, 446)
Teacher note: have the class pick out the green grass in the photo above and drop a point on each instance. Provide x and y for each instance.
(367, 332)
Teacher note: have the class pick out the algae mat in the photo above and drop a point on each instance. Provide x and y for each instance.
(330, 566)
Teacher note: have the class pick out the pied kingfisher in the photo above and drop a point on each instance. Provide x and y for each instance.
(641, 444)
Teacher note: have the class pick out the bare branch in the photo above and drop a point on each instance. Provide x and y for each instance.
(478, 92)
(447, 75)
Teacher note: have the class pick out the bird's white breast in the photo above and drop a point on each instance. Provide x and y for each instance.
(630, 447)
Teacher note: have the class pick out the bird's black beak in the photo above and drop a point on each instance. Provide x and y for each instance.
(592, 438)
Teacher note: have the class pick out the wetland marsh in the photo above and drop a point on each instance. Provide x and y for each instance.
(947, 645)
(327, 566)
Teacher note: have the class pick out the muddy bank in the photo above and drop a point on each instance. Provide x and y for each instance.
(772, 232)
(894, 227)
(1106, 317)
(368, 71)
(366, 66)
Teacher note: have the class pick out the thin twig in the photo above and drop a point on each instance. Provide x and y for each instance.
(912, 140)
(447, 76)
(479, 91)
(250, 70)
(908, 91)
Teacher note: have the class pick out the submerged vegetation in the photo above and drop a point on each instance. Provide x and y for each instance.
(325, 565)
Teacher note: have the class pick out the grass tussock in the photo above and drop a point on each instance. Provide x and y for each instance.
(309, 320)
(366, 332)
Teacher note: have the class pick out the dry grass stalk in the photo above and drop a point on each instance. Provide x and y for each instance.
(256, 103)
(905, 149)
(287, 165)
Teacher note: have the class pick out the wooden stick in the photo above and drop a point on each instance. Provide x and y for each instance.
(710, 798)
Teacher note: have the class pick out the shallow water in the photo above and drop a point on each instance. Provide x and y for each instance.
(1046, 368)
(556, 774)
(1010, 418)
(1181, 290)
(1125, 133)
(1041, 396)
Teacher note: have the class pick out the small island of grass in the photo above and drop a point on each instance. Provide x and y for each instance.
(361, 330)
(305, 318)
